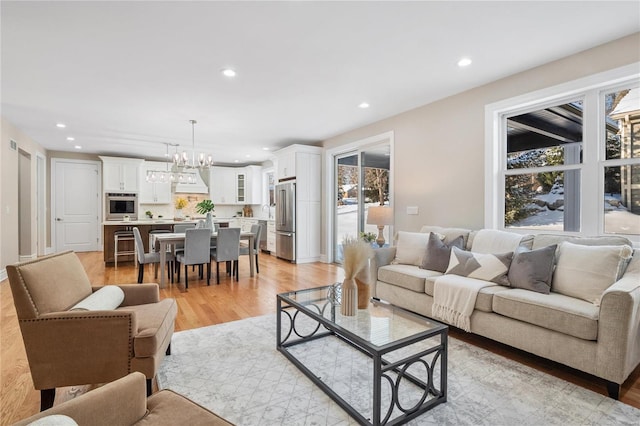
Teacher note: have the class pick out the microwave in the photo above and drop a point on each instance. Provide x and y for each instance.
(118, 205)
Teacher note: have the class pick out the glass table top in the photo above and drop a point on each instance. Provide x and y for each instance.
(380, 324)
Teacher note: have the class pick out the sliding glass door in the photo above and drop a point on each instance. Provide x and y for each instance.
(361, 180)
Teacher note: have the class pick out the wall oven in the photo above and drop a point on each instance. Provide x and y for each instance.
(118, 205)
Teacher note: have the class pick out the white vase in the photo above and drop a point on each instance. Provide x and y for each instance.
(179, 214)
(208, 222)
(349, 305)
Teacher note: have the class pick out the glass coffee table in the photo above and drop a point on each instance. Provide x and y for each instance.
(382, 366)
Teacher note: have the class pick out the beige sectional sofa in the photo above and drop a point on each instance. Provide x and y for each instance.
(600, 337)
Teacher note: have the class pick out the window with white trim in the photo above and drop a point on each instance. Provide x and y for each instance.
(568, 161)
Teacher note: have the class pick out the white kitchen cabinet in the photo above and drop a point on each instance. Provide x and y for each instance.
(236, 185)
(222, 185)
(153, 192)
(120, 174)
(250, 177)
(287, 165)
(247, 223)
(271, 236)
(303, 163)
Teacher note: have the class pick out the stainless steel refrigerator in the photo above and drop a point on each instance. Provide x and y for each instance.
(286, 220)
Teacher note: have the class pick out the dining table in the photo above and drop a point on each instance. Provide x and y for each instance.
(162, 241)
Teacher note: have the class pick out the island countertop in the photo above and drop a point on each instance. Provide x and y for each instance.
(162, 221)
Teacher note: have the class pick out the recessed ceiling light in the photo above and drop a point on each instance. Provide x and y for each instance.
(248, 156)
(236, 161)
(77, 147)
(229, 72)
(71, 138)
(61, 125)
(266, 148)
(464, 62)
(363, 105)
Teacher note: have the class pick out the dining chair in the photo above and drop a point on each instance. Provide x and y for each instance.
(256, 230)
(179, 228)
(196, 252)
(227, 250)
(149, 258)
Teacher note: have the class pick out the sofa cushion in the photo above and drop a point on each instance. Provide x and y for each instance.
(533, 270)
(410, 247)
(169, 408)
(494, 241)
(450, 234)
(155, 321)
(585, 272)
(437, 253)
(543, 240)
(484, 300)
(488, 267)
(553, 311)
(406, 276)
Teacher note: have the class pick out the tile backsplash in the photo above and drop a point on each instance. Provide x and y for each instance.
(167, 211)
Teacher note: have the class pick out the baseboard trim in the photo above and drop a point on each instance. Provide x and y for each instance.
(3, 274)
(22, 258)
(49, 250)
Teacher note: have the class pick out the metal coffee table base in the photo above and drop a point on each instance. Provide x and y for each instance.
(383, 371)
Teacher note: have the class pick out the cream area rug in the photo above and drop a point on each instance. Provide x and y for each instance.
(235, 370)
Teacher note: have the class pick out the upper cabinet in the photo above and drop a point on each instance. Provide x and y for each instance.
(236, 185)
(120, 174)
(153, 192)
(222, 185)
(286, 164)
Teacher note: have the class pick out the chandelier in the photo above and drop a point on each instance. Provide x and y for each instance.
(183, 170)
(182, 161)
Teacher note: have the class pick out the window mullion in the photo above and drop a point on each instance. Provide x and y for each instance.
(592, 212)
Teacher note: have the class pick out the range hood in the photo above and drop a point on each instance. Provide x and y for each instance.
(199, 187)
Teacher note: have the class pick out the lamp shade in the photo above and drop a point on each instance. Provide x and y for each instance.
(380, 215)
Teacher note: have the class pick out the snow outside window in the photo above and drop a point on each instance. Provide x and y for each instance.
(567, 158)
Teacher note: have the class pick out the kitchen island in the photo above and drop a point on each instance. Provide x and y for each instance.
(110, 227)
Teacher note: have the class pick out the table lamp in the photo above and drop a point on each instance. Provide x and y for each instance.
(380, 216)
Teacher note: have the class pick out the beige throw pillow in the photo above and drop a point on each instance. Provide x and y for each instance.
(585, 272)
(410, 247)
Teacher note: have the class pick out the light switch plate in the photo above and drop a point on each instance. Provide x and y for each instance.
(412, 209)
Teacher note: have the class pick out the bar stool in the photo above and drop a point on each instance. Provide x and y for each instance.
(152, 247)
(122, 236)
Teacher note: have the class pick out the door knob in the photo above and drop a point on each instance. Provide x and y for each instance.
(59, 219)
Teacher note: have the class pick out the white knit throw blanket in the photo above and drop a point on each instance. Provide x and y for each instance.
(454, 298)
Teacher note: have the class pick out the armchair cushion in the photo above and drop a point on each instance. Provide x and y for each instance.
(154, 323)
(123, 402)
(106, 298)
(49, 284)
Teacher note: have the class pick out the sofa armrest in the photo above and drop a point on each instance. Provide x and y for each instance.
(619, 326)
(383, 256)
(138, 294)
(122, 402)
(84, 346)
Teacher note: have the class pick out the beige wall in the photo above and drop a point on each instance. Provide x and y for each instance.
(439, 147)
(9, 192)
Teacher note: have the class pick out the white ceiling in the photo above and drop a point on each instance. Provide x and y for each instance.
(126, 77)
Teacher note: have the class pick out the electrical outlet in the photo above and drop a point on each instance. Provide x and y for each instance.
(412, 209)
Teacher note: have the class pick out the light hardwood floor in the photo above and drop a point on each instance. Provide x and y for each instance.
(206, 305)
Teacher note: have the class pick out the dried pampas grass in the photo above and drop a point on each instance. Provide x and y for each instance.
(356, 254)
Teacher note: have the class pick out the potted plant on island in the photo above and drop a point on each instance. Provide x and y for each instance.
(180, 204)
(206, 207)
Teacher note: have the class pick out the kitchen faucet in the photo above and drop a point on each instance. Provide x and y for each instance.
(269, 209)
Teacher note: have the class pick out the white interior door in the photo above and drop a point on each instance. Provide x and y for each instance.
(76, 190)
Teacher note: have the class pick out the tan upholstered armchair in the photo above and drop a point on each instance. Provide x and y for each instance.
(68, 348)
(123, 403)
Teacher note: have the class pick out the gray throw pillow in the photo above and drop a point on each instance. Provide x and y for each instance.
(533, 270)
(437, 253)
